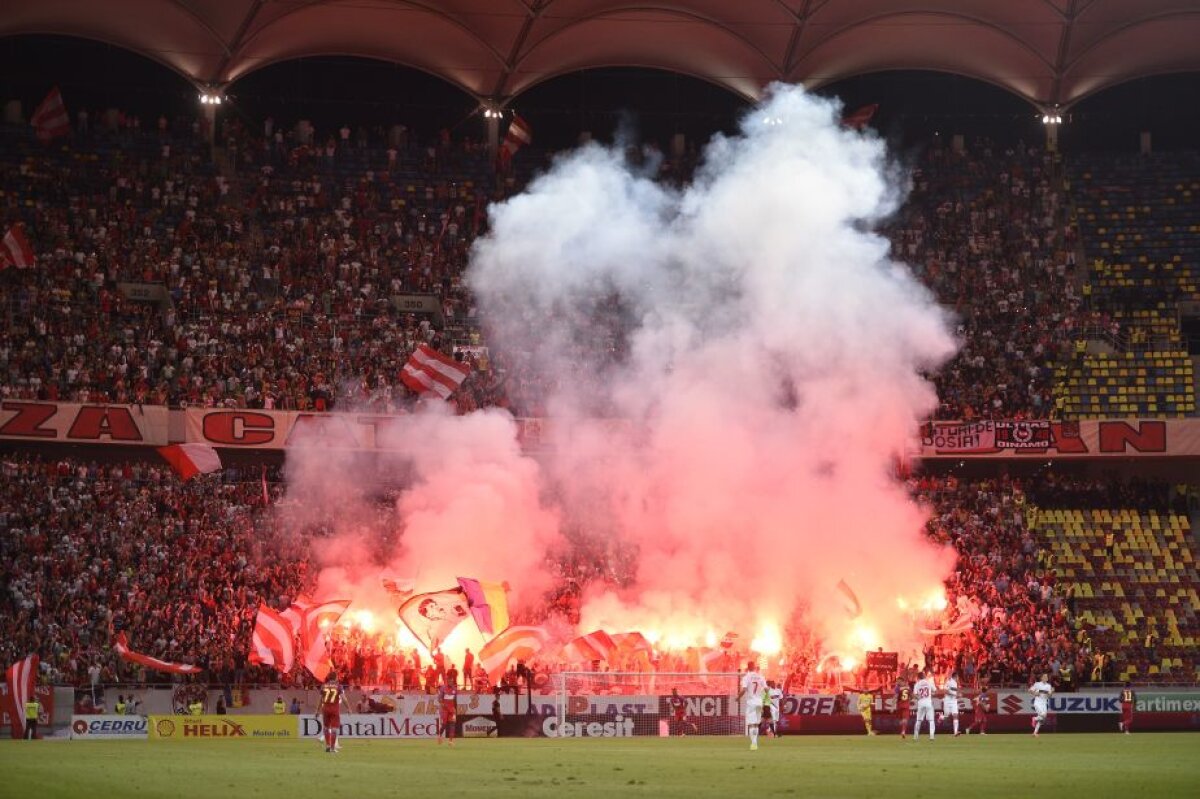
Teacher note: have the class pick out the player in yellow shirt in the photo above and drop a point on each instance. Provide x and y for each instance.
(866, 704)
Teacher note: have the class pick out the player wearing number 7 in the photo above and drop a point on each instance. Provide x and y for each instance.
(332, 699)
(1041, 691)
(753, 687)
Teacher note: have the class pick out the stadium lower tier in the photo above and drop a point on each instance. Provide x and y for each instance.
(1132, 586)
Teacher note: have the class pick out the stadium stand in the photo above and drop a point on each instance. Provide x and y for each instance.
(278, 262)
(1138, 219)
(986, 229)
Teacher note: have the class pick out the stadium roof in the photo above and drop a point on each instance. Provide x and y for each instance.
(1047, 51)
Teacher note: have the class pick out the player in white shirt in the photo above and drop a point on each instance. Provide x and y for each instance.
(753, 686)
(775, 694)
(923, 691)
(950, 700)
(1041, 690)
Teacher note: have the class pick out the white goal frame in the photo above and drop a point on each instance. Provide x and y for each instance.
(708, 696)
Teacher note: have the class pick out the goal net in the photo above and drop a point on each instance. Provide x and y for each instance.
(622, 704)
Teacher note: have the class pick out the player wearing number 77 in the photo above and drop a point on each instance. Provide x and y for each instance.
(332, 699)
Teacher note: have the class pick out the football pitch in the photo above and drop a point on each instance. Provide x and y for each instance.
(1061, 766)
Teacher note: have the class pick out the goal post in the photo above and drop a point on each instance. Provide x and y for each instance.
(622, 704)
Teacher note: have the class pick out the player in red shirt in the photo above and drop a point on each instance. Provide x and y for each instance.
(447, 712)
(332, 699)
(903, 704)
(980, 709)
(1128, 699)
(678, 707)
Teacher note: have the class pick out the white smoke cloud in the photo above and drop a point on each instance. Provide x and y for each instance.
(732, 367)
(767, 371)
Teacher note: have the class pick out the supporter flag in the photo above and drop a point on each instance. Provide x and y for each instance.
(15, 249)
(121, 646)
(317, 619)
(433, 616)
(189, 460)
(515, 643)
(266, 493)
(400, 588)
(713, 660)
(488, 603)
(430, 372)
(729, 640)
(519, 134)
(858, 118)
(628, 643)
(21, 676)
(849, 600)
(274, 641)
(294, 615)
(50, 119)
(597, 645)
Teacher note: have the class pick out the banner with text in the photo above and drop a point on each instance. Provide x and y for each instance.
(1040, 438)
(108, 727)
(73, 423)
(207, 727)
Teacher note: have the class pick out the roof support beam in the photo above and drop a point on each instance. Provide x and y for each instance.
(1064, 50)
(238, 38)
(536, 7)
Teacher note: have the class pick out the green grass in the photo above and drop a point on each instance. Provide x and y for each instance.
(1142, 766)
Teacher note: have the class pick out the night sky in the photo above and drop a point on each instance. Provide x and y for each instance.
(653, 104)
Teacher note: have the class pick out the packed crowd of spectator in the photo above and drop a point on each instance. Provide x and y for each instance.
(988, 230)
(88, 550)
(278, 261)
(1021, 621)
(277, 277)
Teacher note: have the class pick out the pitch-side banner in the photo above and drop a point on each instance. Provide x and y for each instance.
(382, 725)
(234, 728)
(73, 423)
(1121, 438)
(1012, 703)
(108, 727)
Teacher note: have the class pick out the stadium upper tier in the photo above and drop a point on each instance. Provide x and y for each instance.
(278, 265)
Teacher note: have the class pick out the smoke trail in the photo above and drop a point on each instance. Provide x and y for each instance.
(763, 357)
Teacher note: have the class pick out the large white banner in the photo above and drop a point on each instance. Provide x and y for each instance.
(73, 423)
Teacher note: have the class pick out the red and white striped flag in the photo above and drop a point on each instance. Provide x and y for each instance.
(15, 249)
(317, 619)
(21, 676)
(50, 119)
(632, 642)
(519, 134)
(712, 660)
(515, 643)
(121, 646)
(189, 460)
(597, 645)
(274, 641)
(294, 615)
(858, 118)
(430, 372)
